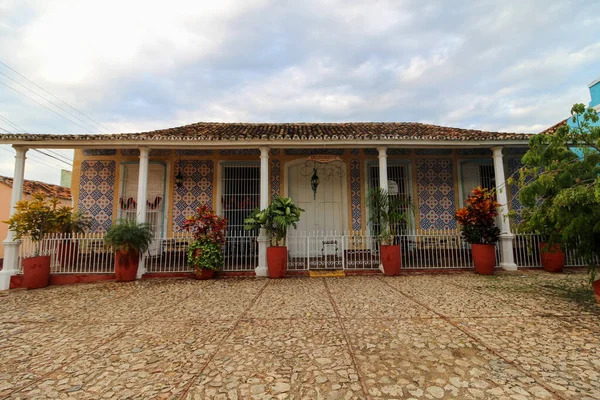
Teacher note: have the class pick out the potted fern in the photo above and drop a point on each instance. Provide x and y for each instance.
(388, 214)
(276, 220)
(128, 238)
(36, 219)
(205, 254)
(478, 227)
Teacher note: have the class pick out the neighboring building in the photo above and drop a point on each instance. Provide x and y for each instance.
(66, 177)
(29, 188)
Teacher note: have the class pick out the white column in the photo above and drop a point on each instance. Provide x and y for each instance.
(261, 269)
(383, 177)
(142, 196)
(11, 246)
(506, 236)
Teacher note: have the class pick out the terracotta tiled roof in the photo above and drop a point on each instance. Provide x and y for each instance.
(554, 127)
(31, 187)
(213, 131)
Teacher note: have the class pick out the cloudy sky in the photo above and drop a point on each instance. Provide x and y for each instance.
(143, 65)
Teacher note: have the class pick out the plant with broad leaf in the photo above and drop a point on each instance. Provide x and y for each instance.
(560, 185)
(275, 219)
(388, 212)
(208, 231)
(34, 218)
(478, 218)
(69, 221)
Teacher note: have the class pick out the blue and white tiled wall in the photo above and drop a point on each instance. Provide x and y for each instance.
(436, 193)
(97, 192)
(197, 189)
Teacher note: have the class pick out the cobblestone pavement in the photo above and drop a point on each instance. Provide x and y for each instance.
(524, 335)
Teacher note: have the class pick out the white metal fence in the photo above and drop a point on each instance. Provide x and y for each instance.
(87, 254)
(526, 249)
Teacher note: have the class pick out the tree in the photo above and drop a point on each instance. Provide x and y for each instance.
(560, 186)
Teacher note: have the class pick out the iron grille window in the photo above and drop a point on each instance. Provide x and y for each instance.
(486, 176)
(240, 185)
(398, 184)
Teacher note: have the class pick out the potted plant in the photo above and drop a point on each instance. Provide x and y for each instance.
(36, 219)
(128, 238)
(205, 254)
(388, 214)
(478, 227)
(69, 223)
(276, 220)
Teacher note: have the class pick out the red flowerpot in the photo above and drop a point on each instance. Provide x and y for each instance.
(552, 257)
(596, 286)
(277, 261)
(36, 272)
(484, 258)
(391, 259)
(203, 274)
(67, 253)
(126, 265)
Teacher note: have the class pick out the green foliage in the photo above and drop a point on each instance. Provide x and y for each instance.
(205, 255)
(126, 235)
(275, 219)
(69, 221)
(388, 213)
(560, 185)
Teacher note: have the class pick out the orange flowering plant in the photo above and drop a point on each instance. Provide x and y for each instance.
(478, 218)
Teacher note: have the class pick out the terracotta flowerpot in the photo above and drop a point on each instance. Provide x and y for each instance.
(67, 253)
(552, 257)
(391, 259)
(36, 272)
(277, 261)
(596, 286)
(126, 265)
(203, 274)
(484, 258)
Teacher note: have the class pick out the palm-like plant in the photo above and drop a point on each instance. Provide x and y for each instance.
(388, 213)
(127, 235)
(275, 219)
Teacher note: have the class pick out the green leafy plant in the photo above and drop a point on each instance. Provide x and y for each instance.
(560, 186)
(35, 218)
(205, 255)
(388, 213)
(208, 230)
(126, 235)
(275, 219)
(478, 218)
(69, 221)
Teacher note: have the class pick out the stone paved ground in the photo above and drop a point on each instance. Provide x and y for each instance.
(525, 335)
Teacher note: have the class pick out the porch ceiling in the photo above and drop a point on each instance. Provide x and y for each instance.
(282, 135)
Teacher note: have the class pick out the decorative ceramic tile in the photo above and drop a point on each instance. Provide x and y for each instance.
(275, 175)
(99, 152)
(197, 189)
(192, 152)
(474, 152)
(436, 192)
(433, 152)
(355, 195)
(310, 152)
(240, 152)
(153, 152)
(390, 152)
(513, 167)
(97, 190)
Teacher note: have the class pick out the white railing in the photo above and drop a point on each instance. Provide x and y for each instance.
(526, 248)
(420, 249)
(78, 253)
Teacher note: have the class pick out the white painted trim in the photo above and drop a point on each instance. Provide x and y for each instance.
(282, 144)
(593, 83)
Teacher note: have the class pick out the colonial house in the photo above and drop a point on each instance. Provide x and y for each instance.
(161, 177)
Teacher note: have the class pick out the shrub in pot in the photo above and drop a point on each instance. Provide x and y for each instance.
(276, 220)
(69, 223)
(128, 238)
(388, 214)
(205, 254)
(478, 227)
(36, 219)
